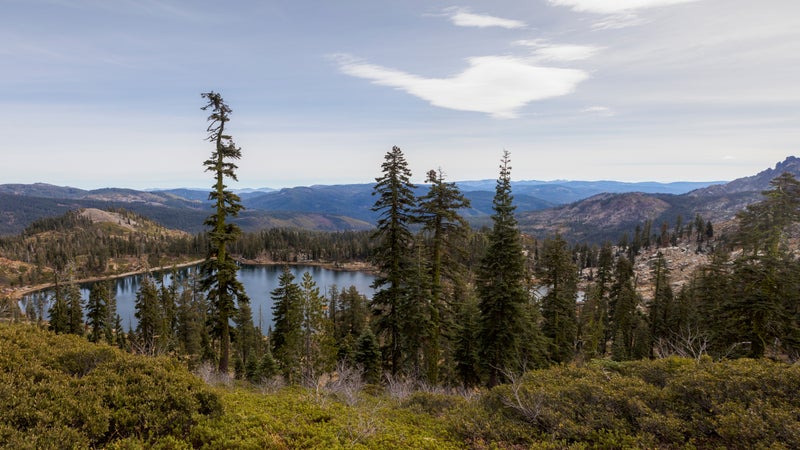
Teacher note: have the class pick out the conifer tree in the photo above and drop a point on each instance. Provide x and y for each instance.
(559, 274)
(623, 304)
(319, 353)
(97, 312)
(59, 310)
(148, 314)
(219, 268)
(446, 231)
(595, 312)
(501, 286)
(74, 309)
(248, 341)
(190, 323)
(660, 309)
(393, 253)
(467, 343)
(351, 318)
(368, 356)
(287, 337)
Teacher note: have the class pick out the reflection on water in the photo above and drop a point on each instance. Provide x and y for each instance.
(258, 282)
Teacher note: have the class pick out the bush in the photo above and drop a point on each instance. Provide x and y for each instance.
(62, 391)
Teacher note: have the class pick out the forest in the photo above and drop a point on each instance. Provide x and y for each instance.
(477, 338)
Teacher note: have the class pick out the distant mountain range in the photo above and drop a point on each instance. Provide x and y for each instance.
(608, 215)
(577, 209)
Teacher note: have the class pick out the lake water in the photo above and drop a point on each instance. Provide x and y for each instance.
(258, 282)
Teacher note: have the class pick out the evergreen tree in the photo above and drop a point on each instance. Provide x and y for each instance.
(248, 342)
(287, 337)
(393, 253)
(559, 274)
(97, 312)
(111, 312)
(623, 304)
(501, 286)
(446, 231)
(467, 343)
(74, 309)
(595, 318)
(764, 298)
(190, 323)
(168, 298)
(368, 356)
(219, 268)
(59, 310)
(319, 354)
(660, 309)
(351, 318)
(148, 314)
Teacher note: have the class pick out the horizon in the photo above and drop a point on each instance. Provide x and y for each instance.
(101, 94)
(484, 180)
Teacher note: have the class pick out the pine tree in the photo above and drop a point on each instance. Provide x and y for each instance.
(467, 343)
(368, 356)
(190, 323)
(319, 354)
(74, 309)
(219, 268)
(97, 312)
(558, 273)
(392, 254)
(660, 309)
(446, 231)
(623, 304)
(59, 310)
(248, 341)
(351, 318)
(148, 314)
(595, 318)
(501, 286)
(287, 337)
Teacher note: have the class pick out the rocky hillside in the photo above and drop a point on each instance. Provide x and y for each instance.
(608, 216)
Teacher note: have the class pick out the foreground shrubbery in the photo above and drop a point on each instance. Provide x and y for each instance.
(63, 392)
(667, 403)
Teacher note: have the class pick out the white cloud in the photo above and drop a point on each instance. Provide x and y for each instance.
(464, 18)
(615, 6)
(599, 111)
(496, 85)
(545, 51)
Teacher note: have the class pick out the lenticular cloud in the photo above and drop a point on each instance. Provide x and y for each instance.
(496, 85)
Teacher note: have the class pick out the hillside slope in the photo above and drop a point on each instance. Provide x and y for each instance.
(607, 216)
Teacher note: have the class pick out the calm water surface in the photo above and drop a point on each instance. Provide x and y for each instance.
(258, 282)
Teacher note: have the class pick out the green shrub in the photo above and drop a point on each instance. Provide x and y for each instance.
(62, 391)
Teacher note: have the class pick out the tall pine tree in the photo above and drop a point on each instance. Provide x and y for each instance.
(446, 232)
(393, 254)
(219, 268)
(501, 286)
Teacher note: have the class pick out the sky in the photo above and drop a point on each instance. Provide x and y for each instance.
(106, 93)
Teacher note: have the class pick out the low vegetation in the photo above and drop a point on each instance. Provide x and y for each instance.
(60, 391)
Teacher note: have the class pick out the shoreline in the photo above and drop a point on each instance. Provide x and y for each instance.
(353, 266)
(17, 294)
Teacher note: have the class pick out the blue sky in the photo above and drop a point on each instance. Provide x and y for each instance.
(97, 93)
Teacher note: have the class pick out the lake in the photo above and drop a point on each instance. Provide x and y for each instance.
(258, 282)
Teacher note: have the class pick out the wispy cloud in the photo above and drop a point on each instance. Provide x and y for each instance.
(615, 6)
(603, 111)
(464, 18)
(496, 85)
(545, 51)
